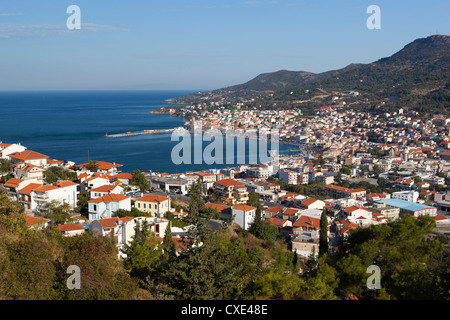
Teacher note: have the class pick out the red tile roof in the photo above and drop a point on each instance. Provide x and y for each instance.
(229, 183)
(29, 188)
(13, 183)
(28, 155)
(221, 208)
(243, 207)
(305, 221)
(31, 221)
(113, 197)
(277, 222)
(70, 227)
(152, 198)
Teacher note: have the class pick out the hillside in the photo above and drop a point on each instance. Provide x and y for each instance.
(418, 76)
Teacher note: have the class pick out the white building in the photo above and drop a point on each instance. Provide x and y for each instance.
(8, 148)
(411, 196)
(244, 215)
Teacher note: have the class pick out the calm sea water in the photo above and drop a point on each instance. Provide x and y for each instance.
(71, 126)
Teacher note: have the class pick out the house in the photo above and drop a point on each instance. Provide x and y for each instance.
(123, 177)
(306, 244)
(156, 205)
(13, 185)
(284, 226)
(27, 171)
(244, 215)
(71, 229)
(104, 207)
(104, 190)
(306, 223)
(123, 229)
(291, 199)
(337, 192)
(36, 223)
(343, 227)
(290, 214)
(91, 182)
(230, 190)
(64, 192)
(29, 157)
(25, 196)
(224, 210)
(8, 148)
(312, 203)
(103, 167)
(273, 212)
(358, 215)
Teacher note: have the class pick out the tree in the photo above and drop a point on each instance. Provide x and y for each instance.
(4, 165)
(196, 205)
(53, 174)
(253, 199)
(143, 253)
(92, 165)
(217, 270)
(323, 241)
(382, 182)
(168, 245)
(139, 180)
(257, 225)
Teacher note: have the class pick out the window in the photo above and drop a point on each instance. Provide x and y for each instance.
(95, 207)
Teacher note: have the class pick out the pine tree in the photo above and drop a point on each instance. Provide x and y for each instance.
(323, 240)
(168, 244)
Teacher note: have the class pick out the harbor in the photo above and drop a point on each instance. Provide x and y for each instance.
(134, 133)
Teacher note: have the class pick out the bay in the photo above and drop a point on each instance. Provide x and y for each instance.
(71, 125)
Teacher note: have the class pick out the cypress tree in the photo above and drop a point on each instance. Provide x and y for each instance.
(323, 236)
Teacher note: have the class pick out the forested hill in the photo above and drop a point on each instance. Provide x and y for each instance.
(417, 76)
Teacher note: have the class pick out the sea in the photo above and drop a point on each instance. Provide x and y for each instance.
(71, 125)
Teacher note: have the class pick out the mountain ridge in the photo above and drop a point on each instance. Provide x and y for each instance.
(419, 68)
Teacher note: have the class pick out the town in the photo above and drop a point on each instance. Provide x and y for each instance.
(356, 168)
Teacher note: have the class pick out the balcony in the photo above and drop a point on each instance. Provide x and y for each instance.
(41, 198)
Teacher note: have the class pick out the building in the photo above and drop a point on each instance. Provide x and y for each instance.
(104, 207)
(104, 190)
(312, 203)
(305, 244)
(232, 191)
(103, 167)
(29, 157)
(64, 192)
(25, 196)
(244, 215)
(411, 195)
(337, 192)
(27, 171)
(389, 212)
(224, 210)
(36, 223)
(8, 148)
(358, 215)
(407, 207)
(156, 205)
(71, 229)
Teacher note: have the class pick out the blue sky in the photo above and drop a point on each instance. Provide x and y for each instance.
(198, 45)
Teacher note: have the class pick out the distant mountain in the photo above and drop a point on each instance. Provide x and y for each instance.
(418, 74)
(284, 79)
